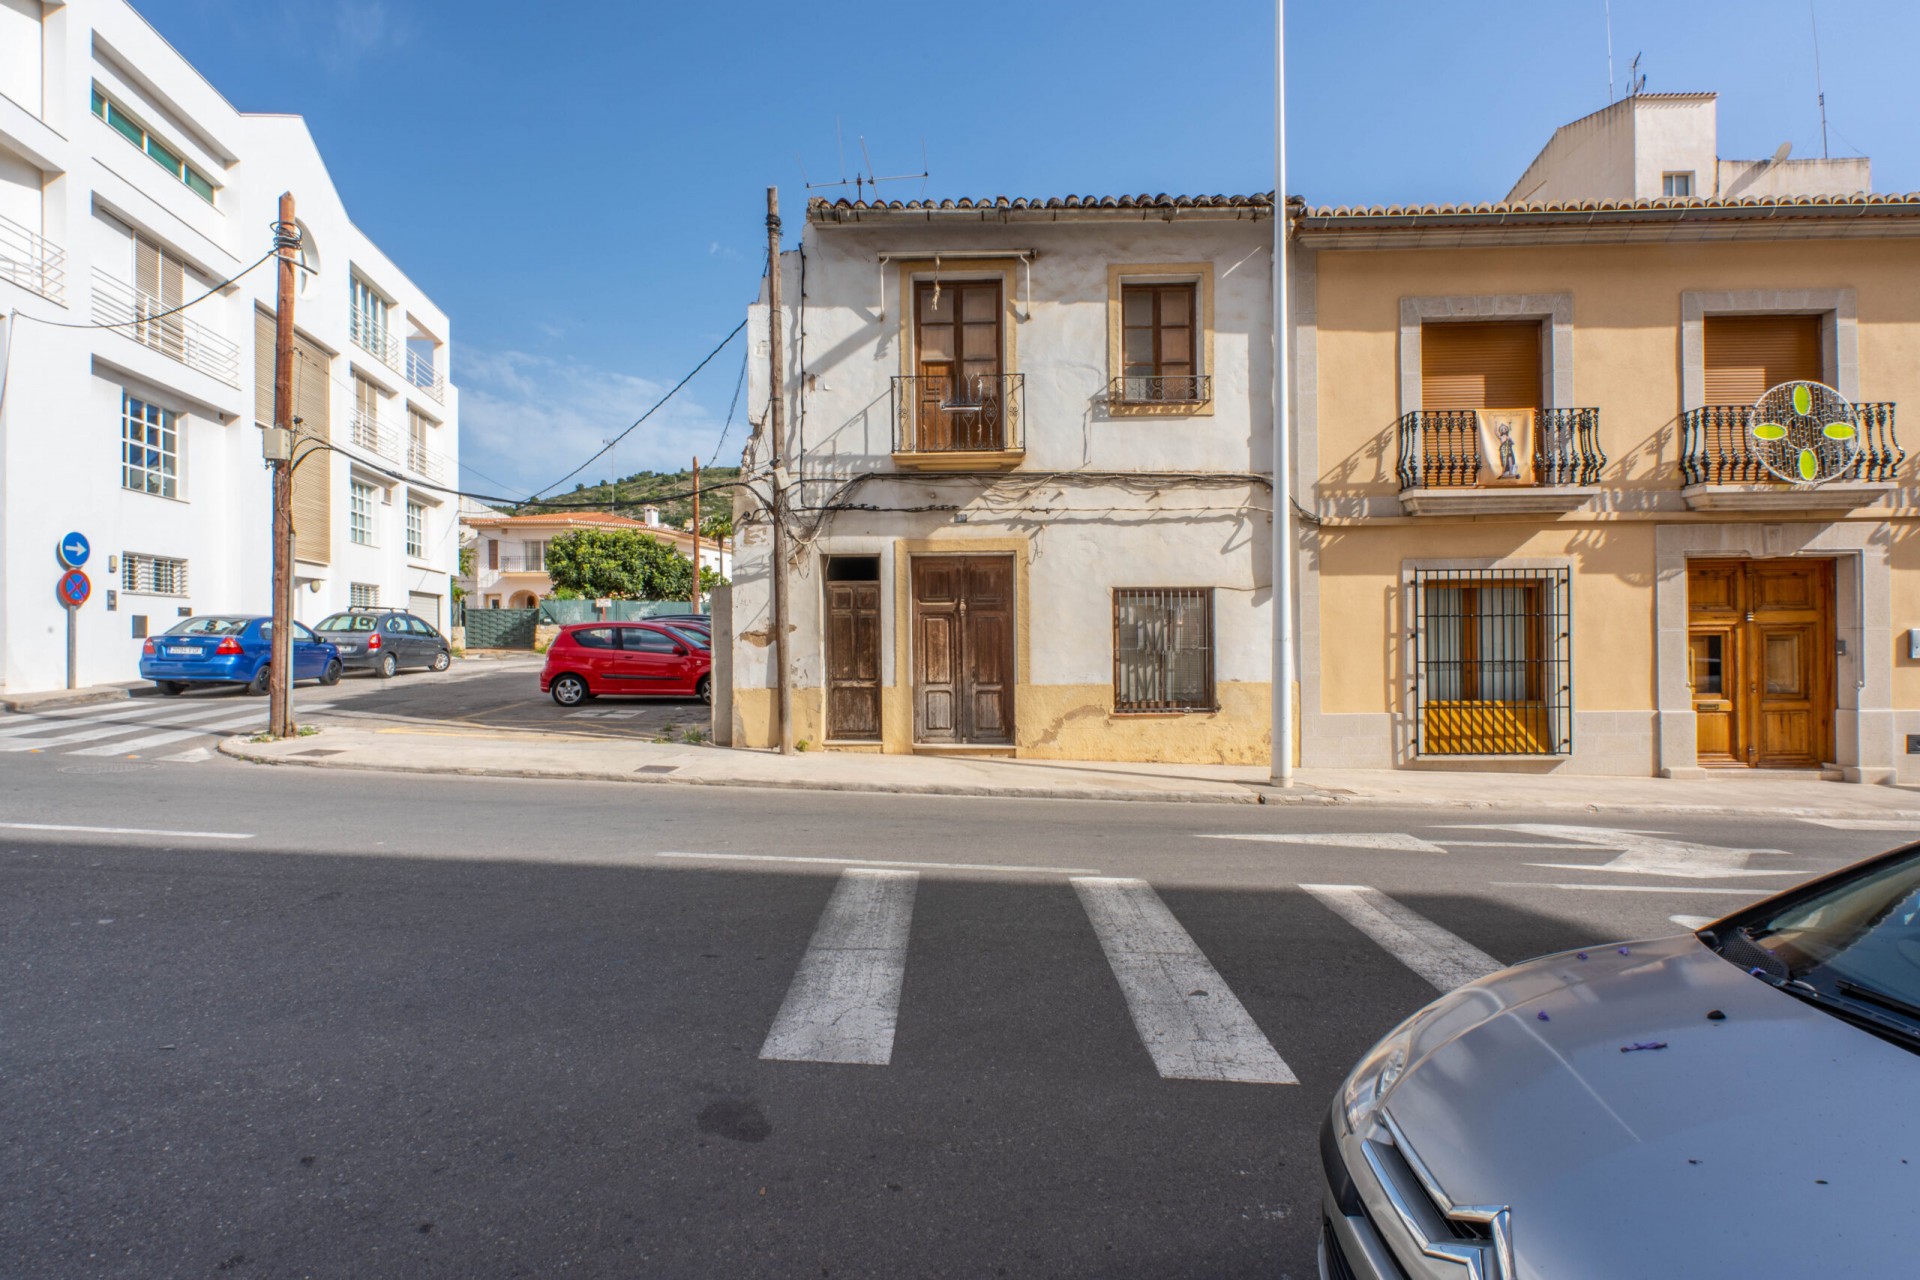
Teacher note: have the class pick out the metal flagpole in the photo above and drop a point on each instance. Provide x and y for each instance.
(1283, 562)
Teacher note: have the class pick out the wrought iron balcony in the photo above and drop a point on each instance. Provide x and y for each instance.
(1138, 390)
(32, 261)
(978, 413)
(1715, 449)
(1440, 449)
(422, 374)
(139, 316)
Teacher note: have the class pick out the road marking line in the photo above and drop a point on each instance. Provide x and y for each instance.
(126, 831)
(1393, 841)
(1438, 956)
(195, 756)
(882, 862)
(114, 730)
(1639, 853)
(1755, 892)
(844, 1002)
(1864, 824)
(33, 722)
(1191, 1023)
(169, 736)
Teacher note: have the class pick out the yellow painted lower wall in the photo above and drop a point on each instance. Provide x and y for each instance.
(1054, 722)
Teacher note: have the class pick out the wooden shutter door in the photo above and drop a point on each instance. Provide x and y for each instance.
(853, 660)
(1746, 356)
(1480, 366)
(313, 482)
(937, 585)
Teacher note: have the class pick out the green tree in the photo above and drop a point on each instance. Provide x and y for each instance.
(715, 528)
(618, 564)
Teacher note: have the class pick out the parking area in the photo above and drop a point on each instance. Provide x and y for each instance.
(504, 693)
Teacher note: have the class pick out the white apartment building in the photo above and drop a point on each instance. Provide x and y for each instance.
(129, 186)
(510, 552)
(1030, 449)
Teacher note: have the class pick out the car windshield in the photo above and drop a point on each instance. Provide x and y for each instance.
(348, 622)
(209, 627)
(1855, 943)
(692, 637)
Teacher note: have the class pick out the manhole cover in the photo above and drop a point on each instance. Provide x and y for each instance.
(102, 768)
(658, 768)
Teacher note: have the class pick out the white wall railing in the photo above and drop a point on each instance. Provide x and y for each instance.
(422, 374)
(390, 444)
(375, 339)
(138, 315)
(32, 261)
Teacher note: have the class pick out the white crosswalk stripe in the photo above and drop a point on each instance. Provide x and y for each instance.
(1194, 1027)
(40, 722)
(844, 1003)
(1417, 942)
(251, 716)
(119, 728)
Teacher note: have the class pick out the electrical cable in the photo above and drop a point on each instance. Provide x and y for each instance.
(643, 417)
(157, 315)
(724, 430)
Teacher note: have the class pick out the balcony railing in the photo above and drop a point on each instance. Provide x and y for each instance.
(1440, 449)
(977, 413)
(1133, 390)
(138, 315)
(375, 339)
(422, 374)
(383, 441)
(518, 564)
(1715, 446)
(32, 261)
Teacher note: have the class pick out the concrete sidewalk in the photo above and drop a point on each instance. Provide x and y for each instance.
(505, 753)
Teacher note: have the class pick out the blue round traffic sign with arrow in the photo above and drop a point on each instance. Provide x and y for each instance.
(73, 588)
(74, 550)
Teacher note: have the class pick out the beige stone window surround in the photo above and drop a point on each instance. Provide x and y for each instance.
(1198, 274)
(1553, 310)
(1838, 310)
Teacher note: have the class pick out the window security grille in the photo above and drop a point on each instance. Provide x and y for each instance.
(152, 575)
(364, 595)
(1163, 649)
(1493, 663)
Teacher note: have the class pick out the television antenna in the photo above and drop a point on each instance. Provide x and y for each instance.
(1819, 81)
(1635, 81)
(865, 180)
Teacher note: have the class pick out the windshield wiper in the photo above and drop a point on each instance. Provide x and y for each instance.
(1872, 996)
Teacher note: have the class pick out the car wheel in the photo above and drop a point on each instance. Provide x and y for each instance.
(331, 675)
(172, 688)
(387, 665)
(704, 690)
(261, 678)
(569, 691)
(442, 660)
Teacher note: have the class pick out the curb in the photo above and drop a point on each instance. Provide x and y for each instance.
(65, 698)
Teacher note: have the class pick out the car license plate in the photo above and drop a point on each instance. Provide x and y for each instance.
(182, 651)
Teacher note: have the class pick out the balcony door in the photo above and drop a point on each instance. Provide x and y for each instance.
(957, 345)
(1761, 661)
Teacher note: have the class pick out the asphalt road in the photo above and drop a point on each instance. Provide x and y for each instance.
(325, 1024)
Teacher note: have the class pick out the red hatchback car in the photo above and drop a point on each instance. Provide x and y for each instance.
(589, 659)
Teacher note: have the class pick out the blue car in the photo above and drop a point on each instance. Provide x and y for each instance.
(231, 650)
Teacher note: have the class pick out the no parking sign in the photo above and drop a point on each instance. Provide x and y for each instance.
(73, 588)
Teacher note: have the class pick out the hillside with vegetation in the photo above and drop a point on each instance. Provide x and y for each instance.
(649, 488)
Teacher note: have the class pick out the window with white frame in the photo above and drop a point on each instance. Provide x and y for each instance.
(416, 530)
(1676, 185)
(152, 575)
(533, 555)
(368, 319)
(157, 151)
(360, 512)
(149, 448)
(364, 595)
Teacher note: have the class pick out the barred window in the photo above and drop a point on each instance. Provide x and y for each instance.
(149, 448)
(1163, 649)
(1493, 661)
(152, 575)
(360, 512)
(416, 530)
(364, 595)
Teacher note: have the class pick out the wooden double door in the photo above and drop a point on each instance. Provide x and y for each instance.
(963, 659)
(1761, 661)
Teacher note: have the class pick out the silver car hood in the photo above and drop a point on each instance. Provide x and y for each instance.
(1777, 1141)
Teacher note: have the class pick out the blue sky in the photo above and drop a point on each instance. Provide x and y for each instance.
(581, 185)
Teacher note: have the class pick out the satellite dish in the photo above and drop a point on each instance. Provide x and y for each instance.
(1784, 150)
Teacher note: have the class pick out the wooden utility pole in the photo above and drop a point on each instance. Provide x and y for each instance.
(776, 434)
(696, 535)
(286, 236)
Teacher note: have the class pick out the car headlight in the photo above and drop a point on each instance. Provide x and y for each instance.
(1375, 1077)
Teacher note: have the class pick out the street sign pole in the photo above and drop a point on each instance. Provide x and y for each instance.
(72, 590)
(73, 650)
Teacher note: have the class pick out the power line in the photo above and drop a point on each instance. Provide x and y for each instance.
(643, 417)
(721, 442)
(151, 316)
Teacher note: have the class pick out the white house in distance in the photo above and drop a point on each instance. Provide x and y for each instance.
(129, 186)
(510, 552)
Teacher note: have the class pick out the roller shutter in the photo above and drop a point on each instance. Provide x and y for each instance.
(312, 401)
(1480, 366)
(1748, 355)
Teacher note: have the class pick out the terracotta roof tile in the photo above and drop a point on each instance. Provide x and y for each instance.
(1791, 206)
(819, 206)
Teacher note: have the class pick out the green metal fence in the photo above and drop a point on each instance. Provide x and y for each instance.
(570, 611)
(501, 628)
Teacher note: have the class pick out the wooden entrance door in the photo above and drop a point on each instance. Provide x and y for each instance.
(963, 649)
(853, 648)
(1760, 660)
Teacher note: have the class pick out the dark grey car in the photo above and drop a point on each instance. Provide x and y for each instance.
(385, 640)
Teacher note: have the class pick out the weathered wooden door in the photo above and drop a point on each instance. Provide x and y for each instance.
(1760, 636)
(963, 659)
(853, 653)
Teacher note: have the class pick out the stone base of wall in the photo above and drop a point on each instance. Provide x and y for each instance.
(1605, 744)
(543, 635)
